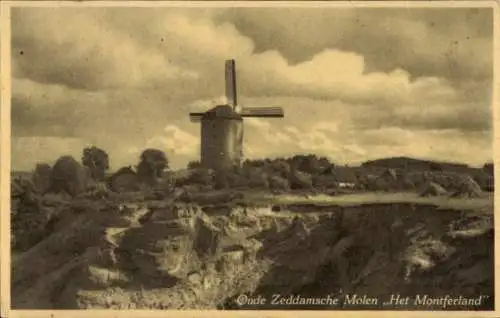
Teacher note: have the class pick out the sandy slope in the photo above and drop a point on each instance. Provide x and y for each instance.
(154, 254)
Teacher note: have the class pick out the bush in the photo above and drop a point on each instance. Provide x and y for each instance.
(325, 182)
(69, 176)
(42, 177)
(97, 190)
(310, 164)
(238, 179)
(405, 183)
(97, 161)
(278, 183)
(231, 178)
(221, 180)
(124, 180)
(201, 176)
(279, 167)
(152, 165)
(489, 169)
(258, 179)
(194, 165)
(24, 196)
(300, 180)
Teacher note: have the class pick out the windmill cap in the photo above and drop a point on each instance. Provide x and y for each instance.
(225, 111)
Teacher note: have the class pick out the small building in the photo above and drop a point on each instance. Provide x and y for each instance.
(347, 185)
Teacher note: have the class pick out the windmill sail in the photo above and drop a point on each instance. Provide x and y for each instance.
(231, 110)
(231, 94)
(262, 112)
(195, 117)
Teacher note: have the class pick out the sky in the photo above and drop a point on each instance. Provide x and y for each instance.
(355, 83)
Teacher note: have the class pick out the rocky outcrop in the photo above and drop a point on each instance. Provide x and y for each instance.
(433, 189)
(124, 253)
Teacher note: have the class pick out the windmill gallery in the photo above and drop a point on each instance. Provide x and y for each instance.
(222, 126)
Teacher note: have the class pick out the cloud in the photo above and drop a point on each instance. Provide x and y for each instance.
(53, 110)
(176, 141)
(263, 138)
(202, 105)
(455, 44)
(333, 74)
(27, 151)
(89, 55)
(266, 128)
(346, 146)
(102, 55)
(119, 77)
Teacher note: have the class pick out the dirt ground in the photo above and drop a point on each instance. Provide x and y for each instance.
(164, 255)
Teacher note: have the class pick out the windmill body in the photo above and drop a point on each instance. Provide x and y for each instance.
(221, 138)
(222, 127)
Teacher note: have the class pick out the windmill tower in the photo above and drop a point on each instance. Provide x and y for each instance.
(222, 126)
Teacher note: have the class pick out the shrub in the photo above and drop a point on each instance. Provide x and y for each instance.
(278, 183)
(238, 178)
(279, 167)
(124, 180)
(488, 168)
(152, 165)
(97, 161)
(97, 190)
(310, 164)
(42, 177)
(201, 176)
(194, 165)
(222, 178)
(300, 180)
(231, 178)
(405, 182)
(324, 182)
(372, 183)
(23, 192)
(258, 179)
(69, 176)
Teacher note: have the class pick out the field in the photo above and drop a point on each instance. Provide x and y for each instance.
(357, 199)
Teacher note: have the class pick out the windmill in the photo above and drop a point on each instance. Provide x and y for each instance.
(222, 126)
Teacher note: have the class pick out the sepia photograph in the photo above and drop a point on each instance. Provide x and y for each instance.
(249, 156)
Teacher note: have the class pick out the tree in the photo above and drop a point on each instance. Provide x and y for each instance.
(434, 166)
(123, 180)
(97, 161)
(153, 163)
(42, 176)
(279, 167)
(488, 168)
(311, 163)
(277, 183)
(201, 176)
(299, 179)
(70, 176)
(24, 189)
(194, 165)
(258, 178)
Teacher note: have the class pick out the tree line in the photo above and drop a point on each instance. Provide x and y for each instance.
(74, 177)
(302, 171)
